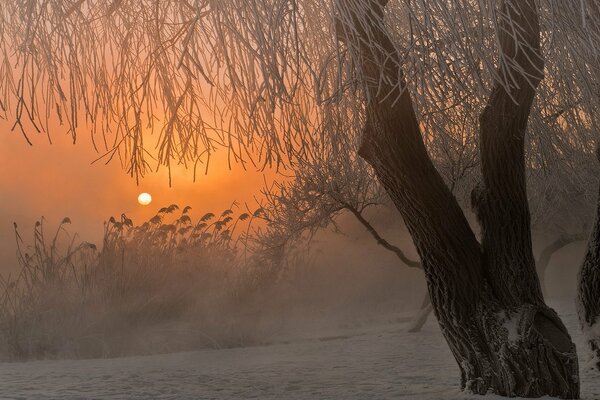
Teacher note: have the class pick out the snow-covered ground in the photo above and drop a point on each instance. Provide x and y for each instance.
(381, 361)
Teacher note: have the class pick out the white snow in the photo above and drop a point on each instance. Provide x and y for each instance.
(594, 330)
(378, 362)
(591, 332)
(511, 324)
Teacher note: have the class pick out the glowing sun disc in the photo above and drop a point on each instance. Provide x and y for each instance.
(144, 199)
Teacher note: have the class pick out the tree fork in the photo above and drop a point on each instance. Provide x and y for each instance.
(509, 343)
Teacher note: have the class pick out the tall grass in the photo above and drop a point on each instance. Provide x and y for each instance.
(167, 284)
(172, 284)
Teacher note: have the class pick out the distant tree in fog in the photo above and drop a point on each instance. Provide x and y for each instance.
(270, 80)
(323, 189)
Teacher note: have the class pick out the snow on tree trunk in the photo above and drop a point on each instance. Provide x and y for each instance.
(589, 292)
(487, 296)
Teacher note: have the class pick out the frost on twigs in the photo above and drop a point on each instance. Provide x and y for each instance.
(242, 76)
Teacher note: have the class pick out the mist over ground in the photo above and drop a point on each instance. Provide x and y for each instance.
(342, 280)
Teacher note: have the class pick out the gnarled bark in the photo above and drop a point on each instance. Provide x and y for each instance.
(487, 297)
(589, 293)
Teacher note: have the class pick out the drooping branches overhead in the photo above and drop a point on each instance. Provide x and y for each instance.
(264, 78)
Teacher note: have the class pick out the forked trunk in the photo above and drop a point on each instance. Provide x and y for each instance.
(487, 296)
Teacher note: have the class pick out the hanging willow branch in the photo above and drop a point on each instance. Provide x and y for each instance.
(264, 79)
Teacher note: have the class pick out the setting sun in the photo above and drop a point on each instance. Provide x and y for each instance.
(144, 199)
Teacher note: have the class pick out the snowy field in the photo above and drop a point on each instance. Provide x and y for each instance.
(381, 361)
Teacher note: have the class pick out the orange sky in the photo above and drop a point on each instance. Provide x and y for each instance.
(58, 180)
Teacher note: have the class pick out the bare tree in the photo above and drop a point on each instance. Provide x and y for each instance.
(562, 200)
(479, 300)
(323, 189)
(268, 80)
(564, 129)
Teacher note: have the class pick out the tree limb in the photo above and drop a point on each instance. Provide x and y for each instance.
(501, 202)
(380, 240)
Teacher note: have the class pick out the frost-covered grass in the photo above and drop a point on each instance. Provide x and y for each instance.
(377, 361)
(166, 285)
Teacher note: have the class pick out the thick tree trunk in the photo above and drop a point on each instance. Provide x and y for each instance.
(589, 293)
(487, 297)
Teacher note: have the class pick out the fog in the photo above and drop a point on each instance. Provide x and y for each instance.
(348, 278)
(351, 198)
